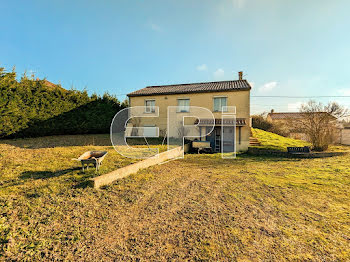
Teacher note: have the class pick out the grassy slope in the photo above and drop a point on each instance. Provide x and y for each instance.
(202, 207)
(273, 141)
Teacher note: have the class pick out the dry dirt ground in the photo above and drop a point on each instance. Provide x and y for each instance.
(198, 208)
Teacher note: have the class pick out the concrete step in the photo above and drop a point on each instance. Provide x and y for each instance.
(253, 141)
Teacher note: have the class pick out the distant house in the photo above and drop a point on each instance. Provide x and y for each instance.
(51, 85)
(293, 123)
(215, 96)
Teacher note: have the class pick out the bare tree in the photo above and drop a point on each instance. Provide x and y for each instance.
(135, 124)
(319, 122)
(181, 130)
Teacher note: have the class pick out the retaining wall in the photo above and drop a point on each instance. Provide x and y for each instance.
(106, 179)
(270, 152)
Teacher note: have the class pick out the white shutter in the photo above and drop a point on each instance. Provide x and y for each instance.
(150, 131)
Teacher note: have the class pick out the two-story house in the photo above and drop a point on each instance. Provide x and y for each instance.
(215, 96)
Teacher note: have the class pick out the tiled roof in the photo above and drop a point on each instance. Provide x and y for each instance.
(236, 85)
(294, 115)
(49, 84)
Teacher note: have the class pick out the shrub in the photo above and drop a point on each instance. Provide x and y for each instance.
(320, 122)
(260, 122)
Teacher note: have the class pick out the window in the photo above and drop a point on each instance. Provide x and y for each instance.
(219, 102)
(150, 106)
(183, 105)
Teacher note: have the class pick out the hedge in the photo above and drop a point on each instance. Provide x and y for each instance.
(30, 108)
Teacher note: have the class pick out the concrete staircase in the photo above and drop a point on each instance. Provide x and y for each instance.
(254, 141)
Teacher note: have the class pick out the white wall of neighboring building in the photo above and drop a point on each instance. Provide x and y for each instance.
(345, 136)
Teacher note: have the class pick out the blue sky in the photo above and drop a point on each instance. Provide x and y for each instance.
(291, 47)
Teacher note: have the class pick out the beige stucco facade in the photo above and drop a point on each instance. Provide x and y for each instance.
(239, 99)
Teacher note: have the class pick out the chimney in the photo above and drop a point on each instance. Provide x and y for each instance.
(272, 111)
(240, 75)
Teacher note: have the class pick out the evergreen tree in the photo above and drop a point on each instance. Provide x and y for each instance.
(32, 107)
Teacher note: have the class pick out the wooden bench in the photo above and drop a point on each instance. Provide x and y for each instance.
(298, 150)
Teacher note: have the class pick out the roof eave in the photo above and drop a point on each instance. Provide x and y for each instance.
(191, 92)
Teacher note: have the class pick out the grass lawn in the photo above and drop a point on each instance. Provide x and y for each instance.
(199, 208)
(44, 165)
(273, 141)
